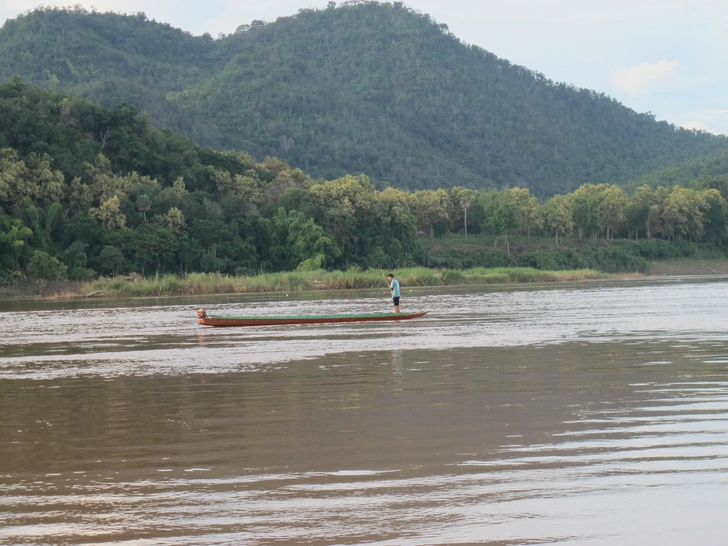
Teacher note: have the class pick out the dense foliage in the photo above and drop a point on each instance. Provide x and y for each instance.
(366, 87)
(87, 191)
(707, 168)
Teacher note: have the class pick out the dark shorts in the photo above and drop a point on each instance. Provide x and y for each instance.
(395, 300)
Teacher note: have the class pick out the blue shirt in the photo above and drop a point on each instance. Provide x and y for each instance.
(395, 288)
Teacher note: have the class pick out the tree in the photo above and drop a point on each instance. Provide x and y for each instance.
(295, 239)
(586, 215)
(42, 223)
(44, 184)
(78, 196)
(174, 221)
(684, 212)
(154, 246)
(394, 229)
(44, 266)
(307, 240)
(637, 211)
(557, 216)
(30, 178)
(526, 208)
(656, 215)
(430, 208)
(716, 218)
(216, 246)
(179, 187)
(460, 199)
(654, 221)
(344, 201)
(13, 236)
(109, 214)
(75, 258)
(613, 201)
(12, 173)
(104, 183)
(236, 185)
(144, 205)
(586, 204)
(111, 260)
(502, 219)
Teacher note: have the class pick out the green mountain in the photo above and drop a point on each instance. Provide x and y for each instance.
(702, 171)
(367, 87)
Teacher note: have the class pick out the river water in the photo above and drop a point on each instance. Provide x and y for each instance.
(583, 413)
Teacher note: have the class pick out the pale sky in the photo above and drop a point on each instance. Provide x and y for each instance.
(668, 57)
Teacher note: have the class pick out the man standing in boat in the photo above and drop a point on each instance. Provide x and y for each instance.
(393, 285)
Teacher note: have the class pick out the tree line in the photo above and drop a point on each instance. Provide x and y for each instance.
(87, 191)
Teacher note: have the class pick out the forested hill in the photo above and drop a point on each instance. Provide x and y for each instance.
(365, 87)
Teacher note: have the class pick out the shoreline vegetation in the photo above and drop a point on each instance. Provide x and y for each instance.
(299, 281)
(77, 214)
(296, 281)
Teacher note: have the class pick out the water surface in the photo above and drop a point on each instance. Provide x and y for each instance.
(587, 413)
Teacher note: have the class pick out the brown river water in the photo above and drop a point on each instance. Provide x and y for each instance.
(583, 413)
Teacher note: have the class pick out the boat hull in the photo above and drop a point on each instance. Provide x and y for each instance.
(320, 319)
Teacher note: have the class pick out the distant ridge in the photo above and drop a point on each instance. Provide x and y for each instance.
(367, 87)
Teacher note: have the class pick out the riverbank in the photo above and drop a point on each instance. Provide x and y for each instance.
(688, 266)
(215, 283)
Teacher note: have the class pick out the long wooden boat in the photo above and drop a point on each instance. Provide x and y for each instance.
(303, 319)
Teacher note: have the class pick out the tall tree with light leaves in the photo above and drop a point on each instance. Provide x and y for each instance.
(558, 217)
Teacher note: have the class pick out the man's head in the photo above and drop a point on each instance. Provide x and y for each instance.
(390, 276)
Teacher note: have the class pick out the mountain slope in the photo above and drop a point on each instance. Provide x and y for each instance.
(366, 87)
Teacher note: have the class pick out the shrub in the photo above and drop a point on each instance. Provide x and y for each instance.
(540, 259)
(44, 266)
(657, 249)
(618, 260)
(453, 276)
(312, 264)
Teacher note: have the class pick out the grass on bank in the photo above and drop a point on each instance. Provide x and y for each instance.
(216, 283)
